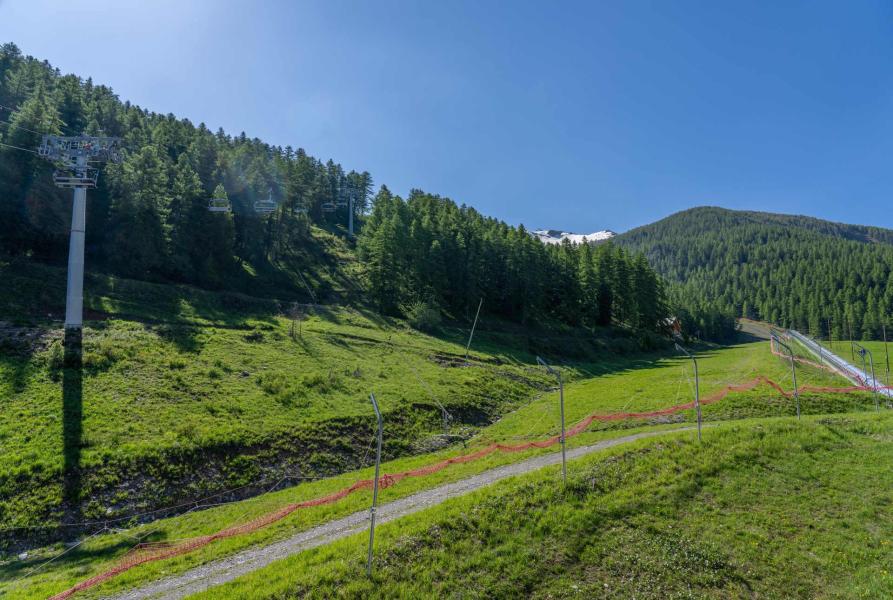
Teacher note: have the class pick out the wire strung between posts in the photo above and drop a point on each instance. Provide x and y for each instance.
(39, 567)
(63, 128)
(200, 503)
(154, 553)
(12, 125)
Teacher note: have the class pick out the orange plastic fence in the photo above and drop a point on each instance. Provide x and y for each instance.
(150, 552)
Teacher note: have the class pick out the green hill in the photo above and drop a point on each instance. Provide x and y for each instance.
(185, 393)
(792, 270)
(777, 509)
(611, 383)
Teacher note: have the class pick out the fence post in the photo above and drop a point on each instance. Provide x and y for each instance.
(374, 489)
(697, 387)
(475, 324)
(561, 402)
(793, 371)
(862, 352)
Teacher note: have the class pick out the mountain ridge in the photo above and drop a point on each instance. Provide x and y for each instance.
(793, 270)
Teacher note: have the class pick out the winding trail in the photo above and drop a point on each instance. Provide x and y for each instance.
(227, 569)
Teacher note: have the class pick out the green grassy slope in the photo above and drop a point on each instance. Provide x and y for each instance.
(186, 393)
(604, 386)
(771, 509)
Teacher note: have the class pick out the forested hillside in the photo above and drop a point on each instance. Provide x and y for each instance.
(149, 220)
(429, 250)
(792, 270)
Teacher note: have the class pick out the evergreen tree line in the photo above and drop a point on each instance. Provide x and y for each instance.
(149, 216)
(794, 271)
(149, 219)
(427, 249)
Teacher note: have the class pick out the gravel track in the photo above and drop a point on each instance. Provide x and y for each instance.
(226, 569)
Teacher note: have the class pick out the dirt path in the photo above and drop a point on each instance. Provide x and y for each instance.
(226, 569)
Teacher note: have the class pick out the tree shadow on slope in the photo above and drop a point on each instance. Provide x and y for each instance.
(72, 424)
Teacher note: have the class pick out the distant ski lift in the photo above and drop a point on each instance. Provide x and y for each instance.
(267, 206)
(219, 205)
(328, 207)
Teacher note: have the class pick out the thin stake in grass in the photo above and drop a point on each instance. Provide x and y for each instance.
(886, 355)
(475, 324)
(697, 386)
(374, 488)
(862, 350)
(561, 402)
(778, 341)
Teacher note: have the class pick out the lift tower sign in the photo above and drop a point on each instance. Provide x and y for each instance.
(73, 157)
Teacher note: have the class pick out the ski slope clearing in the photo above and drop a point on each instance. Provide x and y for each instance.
(228, 569)
(775, 508)
(626, 385)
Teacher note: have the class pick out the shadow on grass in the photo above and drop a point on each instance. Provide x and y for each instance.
(183, 337)
(78, 558)
(72, 423)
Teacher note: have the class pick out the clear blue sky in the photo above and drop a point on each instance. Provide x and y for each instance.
(579, 116)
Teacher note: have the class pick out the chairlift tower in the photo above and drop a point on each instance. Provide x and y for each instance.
(73, 156)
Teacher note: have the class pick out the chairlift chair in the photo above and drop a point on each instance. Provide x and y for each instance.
(328, 207)
(84, 179)
(267, 206)
(219, 205)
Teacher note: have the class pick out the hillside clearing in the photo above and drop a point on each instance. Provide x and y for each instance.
(769, 509)
(662, 378)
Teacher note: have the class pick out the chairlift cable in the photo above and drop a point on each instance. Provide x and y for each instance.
(18, 148)
(13, 125)
(62, 127)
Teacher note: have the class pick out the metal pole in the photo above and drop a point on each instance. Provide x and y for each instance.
(475, 324)
(793, 371)
(563, 437)
(886, 355)
(74, 300)
(374, 489)
(874, 381)
(863, 351)
(561, 402)
(796, 391)
(697, 387)
(853, 346)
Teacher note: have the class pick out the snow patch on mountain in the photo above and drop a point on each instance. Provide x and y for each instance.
(554, 236)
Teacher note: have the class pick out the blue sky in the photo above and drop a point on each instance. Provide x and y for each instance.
(579, 116)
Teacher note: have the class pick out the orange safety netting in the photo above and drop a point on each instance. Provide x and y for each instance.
(150, 552)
